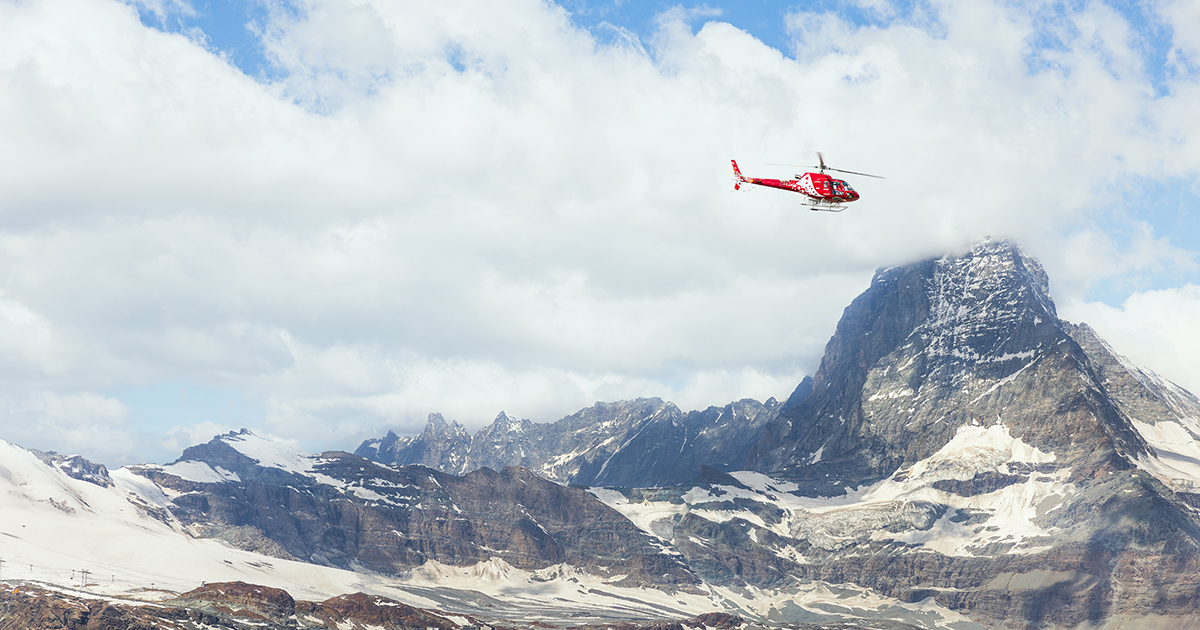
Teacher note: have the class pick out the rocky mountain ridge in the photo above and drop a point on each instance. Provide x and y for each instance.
(343, 510)
(633, 443)
(76, 467)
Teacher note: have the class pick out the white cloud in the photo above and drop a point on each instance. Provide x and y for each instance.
(474, 206)
(473, 391)
(29, 345)
(1184, 18)
(1088, 256)
(1154, 328)
(878, 9)
(180, 437)
(161, 9)
(81, 422)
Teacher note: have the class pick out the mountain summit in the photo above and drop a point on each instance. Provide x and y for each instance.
(938, 345)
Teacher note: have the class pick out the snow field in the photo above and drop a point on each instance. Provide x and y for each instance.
(867, 513)
(1176, 461)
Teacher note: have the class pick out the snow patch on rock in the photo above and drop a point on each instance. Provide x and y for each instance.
(199, 472)
(975, 449)
(1176, 458)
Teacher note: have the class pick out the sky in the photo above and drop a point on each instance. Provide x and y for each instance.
(326, 219)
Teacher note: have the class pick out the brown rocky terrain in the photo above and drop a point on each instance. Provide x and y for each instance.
(241, 605)
(28, 607)
(218, 605)
(360, 609)
(241, 600)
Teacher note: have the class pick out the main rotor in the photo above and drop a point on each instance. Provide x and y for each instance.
(822, 167)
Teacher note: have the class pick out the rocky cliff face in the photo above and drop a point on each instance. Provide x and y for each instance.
(343, 510)
(637, 443)
(1163, 413)
(440, 446)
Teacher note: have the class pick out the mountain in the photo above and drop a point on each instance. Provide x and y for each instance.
(267, 523)
(343, 510)
(634, 443)
(931, 347)
(963, 458)
(960, 444)
(965, 446)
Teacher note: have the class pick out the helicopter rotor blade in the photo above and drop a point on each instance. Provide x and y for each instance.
(823, 167)
(857, 173)
(799, 165)
(828, 168)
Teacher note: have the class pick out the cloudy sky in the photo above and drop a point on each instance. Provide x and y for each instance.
(327, 218)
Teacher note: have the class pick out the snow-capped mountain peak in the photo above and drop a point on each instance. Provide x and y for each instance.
(270, 452)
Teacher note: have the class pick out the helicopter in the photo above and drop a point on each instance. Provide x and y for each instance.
(821, 192)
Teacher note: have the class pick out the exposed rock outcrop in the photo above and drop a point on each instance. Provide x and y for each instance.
(344, 510)
(240, 600)
(76, 467)
(218, 605)
(359, 610)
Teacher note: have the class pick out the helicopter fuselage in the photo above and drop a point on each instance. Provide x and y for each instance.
(816, 186)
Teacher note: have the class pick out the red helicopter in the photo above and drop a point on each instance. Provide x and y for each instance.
(821, 191)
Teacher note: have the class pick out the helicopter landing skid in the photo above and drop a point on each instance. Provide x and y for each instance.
(826, 207)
